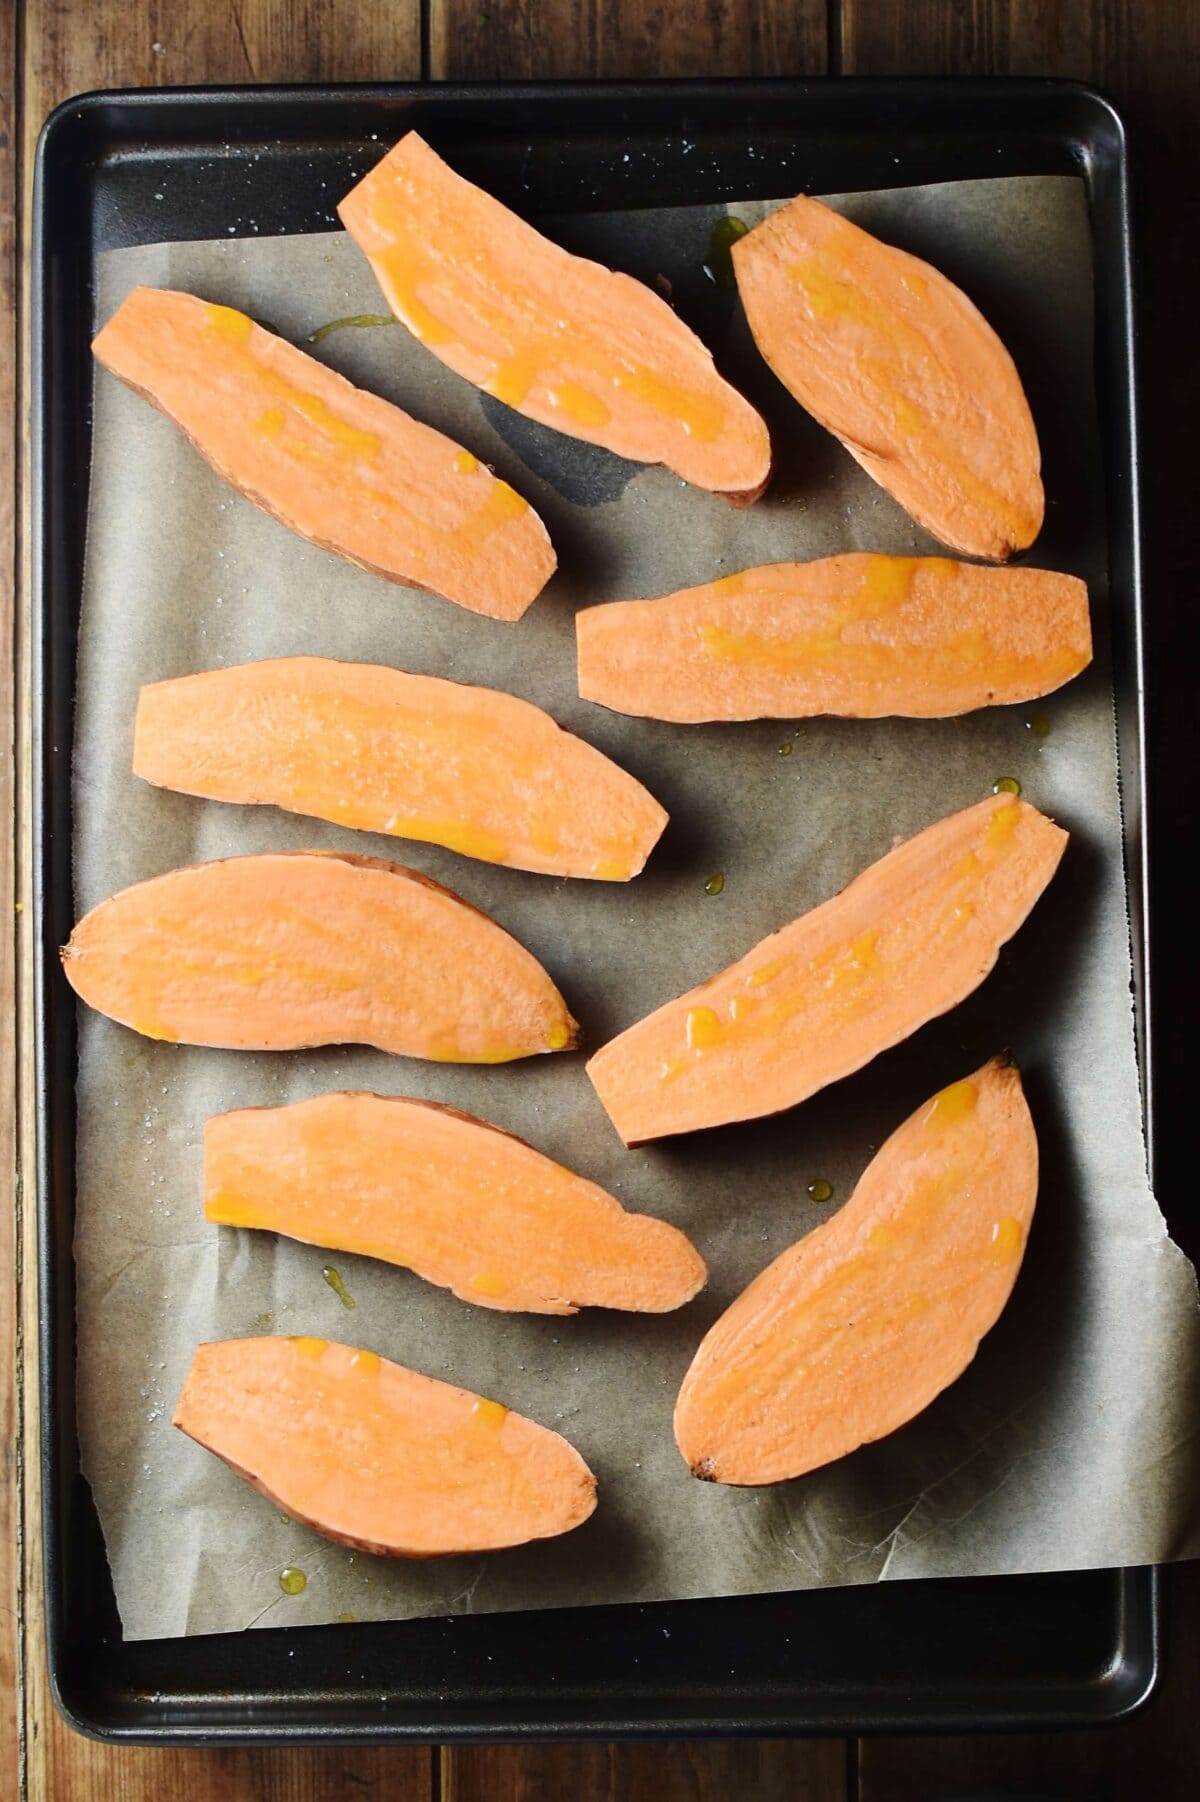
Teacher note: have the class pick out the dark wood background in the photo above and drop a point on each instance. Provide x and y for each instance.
(1146, 54)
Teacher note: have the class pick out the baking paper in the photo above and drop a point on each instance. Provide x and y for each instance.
(1071, 1439)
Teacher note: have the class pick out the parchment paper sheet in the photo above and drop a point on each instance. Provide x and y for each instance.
(1071, 1439)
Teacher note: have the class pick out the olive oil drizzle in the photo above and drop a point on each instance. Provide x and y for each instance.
(358, 320)
(333, 1277)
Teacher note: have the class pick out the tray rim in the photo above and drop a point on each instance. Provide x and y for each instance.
(1124, 1686)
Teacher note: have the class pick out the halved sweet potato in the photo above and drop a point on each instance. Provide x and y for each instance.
(897, 363)
(479, 771)
(855, 1329)
(558, 337)
(338, 465)
(291, 949)
(377, 1456)
(459, 1202)
(857, 635)
(908, 939)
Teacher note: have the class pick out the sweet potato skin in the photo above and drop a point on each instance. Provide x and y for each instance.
(340, 467)
(376, 1456)
(456, 1200)
(907, 940)
(481, 772)
(895, 360)
(571, 344)
(856, 635)
(288, 950)
(854, 1330)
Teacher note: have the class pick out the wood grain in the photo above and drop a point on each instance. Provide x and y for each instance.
(74, 45)
(74, 1770)
(512, 40)
(10, 1555)
(704, 1771)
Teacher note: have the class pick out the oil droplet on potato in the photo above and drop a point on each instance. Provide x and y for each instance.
(1006, 1239)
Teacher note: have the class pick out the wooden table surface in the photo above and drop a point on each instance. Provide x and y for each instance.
(1146, 53)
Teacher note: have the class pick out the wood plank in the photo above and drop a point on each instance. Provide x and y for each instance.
(1148, 59)
(10, 1559)
(1015, 37)
(690, 1771)
(514, 40)
(70, 46)
(73, 45)
(69, 1769)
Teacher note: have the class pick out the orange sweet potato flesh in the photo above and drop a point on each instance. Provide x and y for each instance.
(897, 363)
(479, 771)
(377, 1456)
(907, 940)
(461, 1203)
(341, 467)
(858, 635)
(854, 1330)
(292, 949)
(562, 339)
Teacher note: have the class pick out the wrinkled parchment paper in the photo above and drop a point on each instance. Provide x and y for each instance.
(1069, 1441)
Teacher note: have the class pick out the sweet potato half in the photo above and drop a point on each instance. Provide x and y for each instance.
(292, 949)
(855, 1329)
(459, 1202)
(857, 635)
(341, 467)
(479, 771)
(907, 940)
(560, 338)
(377, 1456)
(897, 363)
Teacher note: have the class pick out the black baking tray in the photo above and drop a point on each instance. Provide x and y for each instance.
(1053, 1651)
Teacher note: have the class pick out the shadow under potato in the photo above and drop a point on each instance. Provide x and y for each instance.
(582, 473)
(1039, 966)
(903, 1487)
(989, 1410)
(985, 1417)
(614, 1537)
